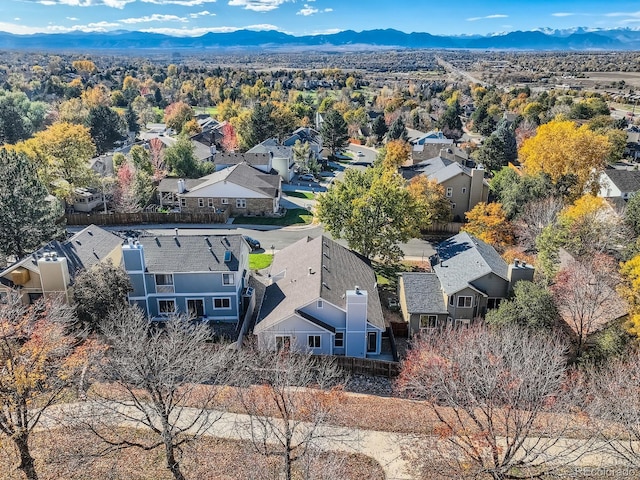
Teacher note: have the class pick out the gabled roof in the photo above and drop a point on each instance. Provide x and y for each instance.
(83, 250)
(253, 159)
(272, 147)
(241, 174)
(464, 258)
(423, 293)
(624, 180)
(192, 253)
(304, 134)
(200, 150)
(317, 268)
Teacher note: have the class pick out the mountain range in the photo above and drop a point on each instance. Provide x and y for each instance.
(541, 39)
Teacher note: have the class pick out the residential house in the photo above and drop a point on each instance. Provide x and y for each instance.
(308, 135)
(51, 270)
(87, 199)
(203, 276)
(281, 157)
(260, 161)
(240, 189)
(632, 148)
(619, 183)
(464, 187)
(469, 277)
(323, 298)
(417, 137)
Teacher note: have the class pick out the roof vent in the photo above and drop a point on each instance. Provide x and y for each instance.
(177, 241)
(325, 267)
(176, 231)
(516, 262)
(311, 272)
(206, 239)
(357, 289)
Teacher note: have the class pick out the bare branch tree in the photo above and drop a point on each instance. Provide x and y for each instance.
(35, 364)
(535, 216)
(585, 292)
(286, 418)
(154, 376)
(499, 398)
(615, 404)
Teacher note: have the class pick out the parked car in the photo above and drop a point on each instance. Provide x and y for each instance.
(307, 177)
(253, 243)
(360, 154)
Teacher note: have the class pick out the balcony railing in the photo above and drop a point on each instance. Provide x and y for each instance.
(165, 289)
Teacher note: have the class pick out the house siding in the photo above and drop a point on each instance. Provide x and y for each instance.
(414, 321)
(255, 206)
(461, 200)
(298, 329)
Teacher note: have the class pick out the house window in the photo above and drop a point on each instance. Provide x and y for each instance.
(228, 279)
(338, 340)
(453, 206)
(449, 191)
(428, 321)
(313, 341)
(222, 303)
(465, 302)
(451, 300)
(283, 342)
(201, 202)
(493, 303)
(183, 202)
(241, 203)
(195, 307)
(166, 307)
(224, 201)
(4, 297)
(462, 322)
(210, 202)
(319, 304)
(372, 342)
(464, 190)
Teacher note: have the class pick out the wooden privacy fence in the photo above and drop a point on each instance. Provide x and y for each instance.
(144, 217)
(451, 227)
(368, 366)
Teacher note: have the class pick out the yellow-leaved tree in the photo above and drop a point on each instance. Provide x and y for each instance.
(397, 153)
(562, 148)
(630, 291)
(488, 222)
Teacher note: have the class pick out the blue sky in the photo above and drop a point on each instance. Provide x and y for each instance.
(305, 17)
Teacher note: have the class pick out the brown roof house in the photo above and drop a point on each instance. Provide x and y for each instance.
(239, 189)
(323, 299)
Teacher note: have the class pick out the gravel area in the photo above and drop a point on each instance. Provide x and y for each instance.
(381, 386)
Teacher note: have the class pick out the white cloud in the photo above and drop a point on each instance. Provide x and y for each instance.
(184, 3)
(487, 17)
(203, 13)
(122, 3)
(156, 17)
(73, 19)
(563, 14)
(51, 28)
(258, 5)
(197, 32)
(17, 19)
(623, 14)
(309, 10)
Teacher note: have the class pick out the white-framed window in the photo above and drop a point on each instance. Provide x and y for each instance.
(464, 190)
(228, 279)
(283, 342)
(222, 303)
(465, 302)
(164, 279)
(428, 321)
(201, 202)
(166, 307)
(183, 202)
(449, 191)
(210, 202)
(224, 201)
(241, 203)
(313, 341)
(320, 303)
(338, 340)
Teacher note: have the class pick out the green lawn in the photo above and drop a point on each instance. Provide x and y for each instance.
(213, 111)
(307, 195)
(295, 216)
(258, 261)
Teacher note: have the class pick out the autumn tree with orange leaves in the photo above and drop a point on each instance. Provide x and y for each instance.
(397, 152)
(488, 222)
(37, 361)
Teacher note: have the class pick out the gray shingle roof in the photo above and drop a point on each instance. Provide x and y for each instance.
(222, 158)
(335, 269)
(83, 250)
(625, 180)
(271, 146)
(192, 253)
(464, 258)
(423, 293)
